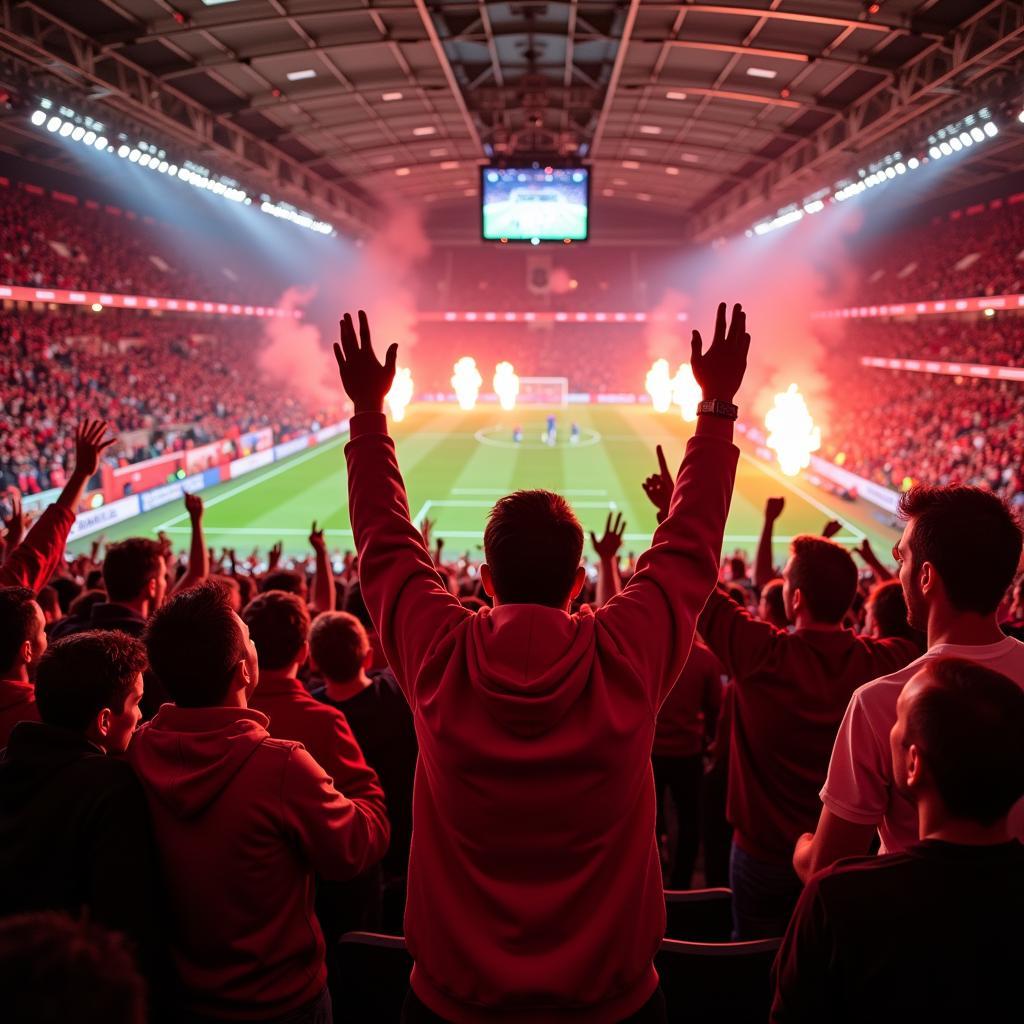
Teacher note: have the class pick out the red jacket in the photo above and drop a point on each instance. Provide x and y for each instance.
(535, 889)
(242, 822)
(791, 691)
(696, 697)
(17, 704)
(324, 732)
(33, 561)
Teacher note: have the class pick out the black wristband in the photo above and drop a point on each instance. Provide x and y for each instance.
(716, 407)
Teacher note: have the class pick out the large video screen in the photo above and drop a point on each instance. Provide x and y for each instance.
(535, 204)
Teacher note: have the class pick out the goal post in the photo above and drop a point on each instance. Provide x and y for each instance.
(543, 391)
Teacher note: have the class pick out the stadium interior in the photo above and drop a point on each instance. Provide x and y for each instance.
(541, 204)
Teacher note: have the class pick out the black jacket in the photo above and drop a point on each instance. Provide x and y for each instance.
(75, 836)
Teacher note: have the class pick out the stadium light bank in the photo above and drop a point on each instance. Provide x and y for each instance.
(66, 123)
(972, 130)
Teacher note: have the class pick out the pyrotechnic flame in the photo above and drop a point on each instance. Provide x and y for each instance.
(791, 431)
(466, 381)
(659, 385)
(400, 394)
(506, 385)
(686, 392)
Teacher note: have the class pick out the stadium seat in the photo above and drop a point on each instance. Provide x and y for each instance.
(373, 972)
(698, 915)
(717, 982)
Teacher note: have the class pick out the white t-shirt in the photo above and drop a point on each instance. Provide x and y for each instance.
(859, 787)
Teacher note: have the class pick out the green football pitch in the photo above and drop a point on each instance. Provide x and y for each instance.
(456, 464)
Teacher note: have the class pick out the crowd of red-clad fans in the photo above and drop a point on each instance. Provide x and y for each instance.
(221, 772)
(970, 254)
(163, 383)
(47, 242)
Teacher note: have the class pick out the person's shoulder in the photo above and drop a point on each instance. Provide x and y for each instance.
(885, 689)
(862, 874)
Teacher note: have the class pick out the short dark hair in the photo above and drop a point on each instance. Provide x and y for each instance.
(771, 594)
(129, 565)
(86, 601)
(84, 673)
(291, 581)
(969, 723)
(338, 644)
(48, 600)
(55, 967)
(826, 576)
(533, 543)
(194, 644)
(889, 606)
(67, 590)
(355, 605)
(971, 537)
(16, 619)
(279, 625)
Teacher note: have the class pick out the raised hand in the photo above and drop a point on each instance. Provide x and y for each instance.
(831, 528)
(89, 446)
(365, 379)
(427, 529)
(659, 486)
(274, 556)
(608, 546)
(15, 522)
(773, 508)
(865, 551)
(194, 506)
(719, 371)
(316, 539)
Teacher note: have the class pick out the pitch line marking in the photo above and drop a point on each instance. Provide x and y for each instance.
(499, 491)
(809, 498)
(269, 475)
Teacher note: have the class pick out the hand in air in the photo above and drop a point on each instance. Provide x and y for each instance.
(194, 506)
(608, 546)
(316, 539)
(90, 445)
(659, 486)
(831, 528)
(773, 508)
(366, 380)
(719, 371)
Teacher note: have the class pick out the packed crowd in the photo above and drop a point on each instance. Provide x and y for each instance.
(955, 257)
(473, 743)
(900, 427)
(163, 382)
(992, 341)
(47, 242)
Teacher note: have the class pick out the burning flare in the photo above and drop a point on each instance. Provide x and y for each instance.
(466, 381)
(686, 392)
(791, 431)
(506, 385)
(660, 385)
(400, 394)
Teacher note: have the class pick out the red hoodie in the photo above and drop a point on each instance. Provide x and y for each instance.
(17, 704)
(33, 561)
(242, 822)
(535, 889)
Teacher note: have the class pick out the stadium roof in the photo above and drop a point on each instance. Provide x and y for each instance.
(718, 111)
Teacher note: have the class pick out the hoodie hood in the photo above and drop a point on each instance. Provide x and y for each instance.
(14, 692)
(529, 664)
(187, 757)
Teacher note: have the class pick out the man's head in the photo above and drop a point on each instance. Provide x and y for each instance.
(291, 581)
(91, 683)
(772, 606)
(886, 612)
(819, 581)
(134, 571)
(231, 587)
(49, 601)
(22, 632)
(339, 647)
(533, 544)
(279, 626)
(960, 549)
(200, 649)
(959, 736)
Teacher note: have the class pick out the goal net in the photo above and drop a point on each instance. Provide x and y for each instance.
(543, 391)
